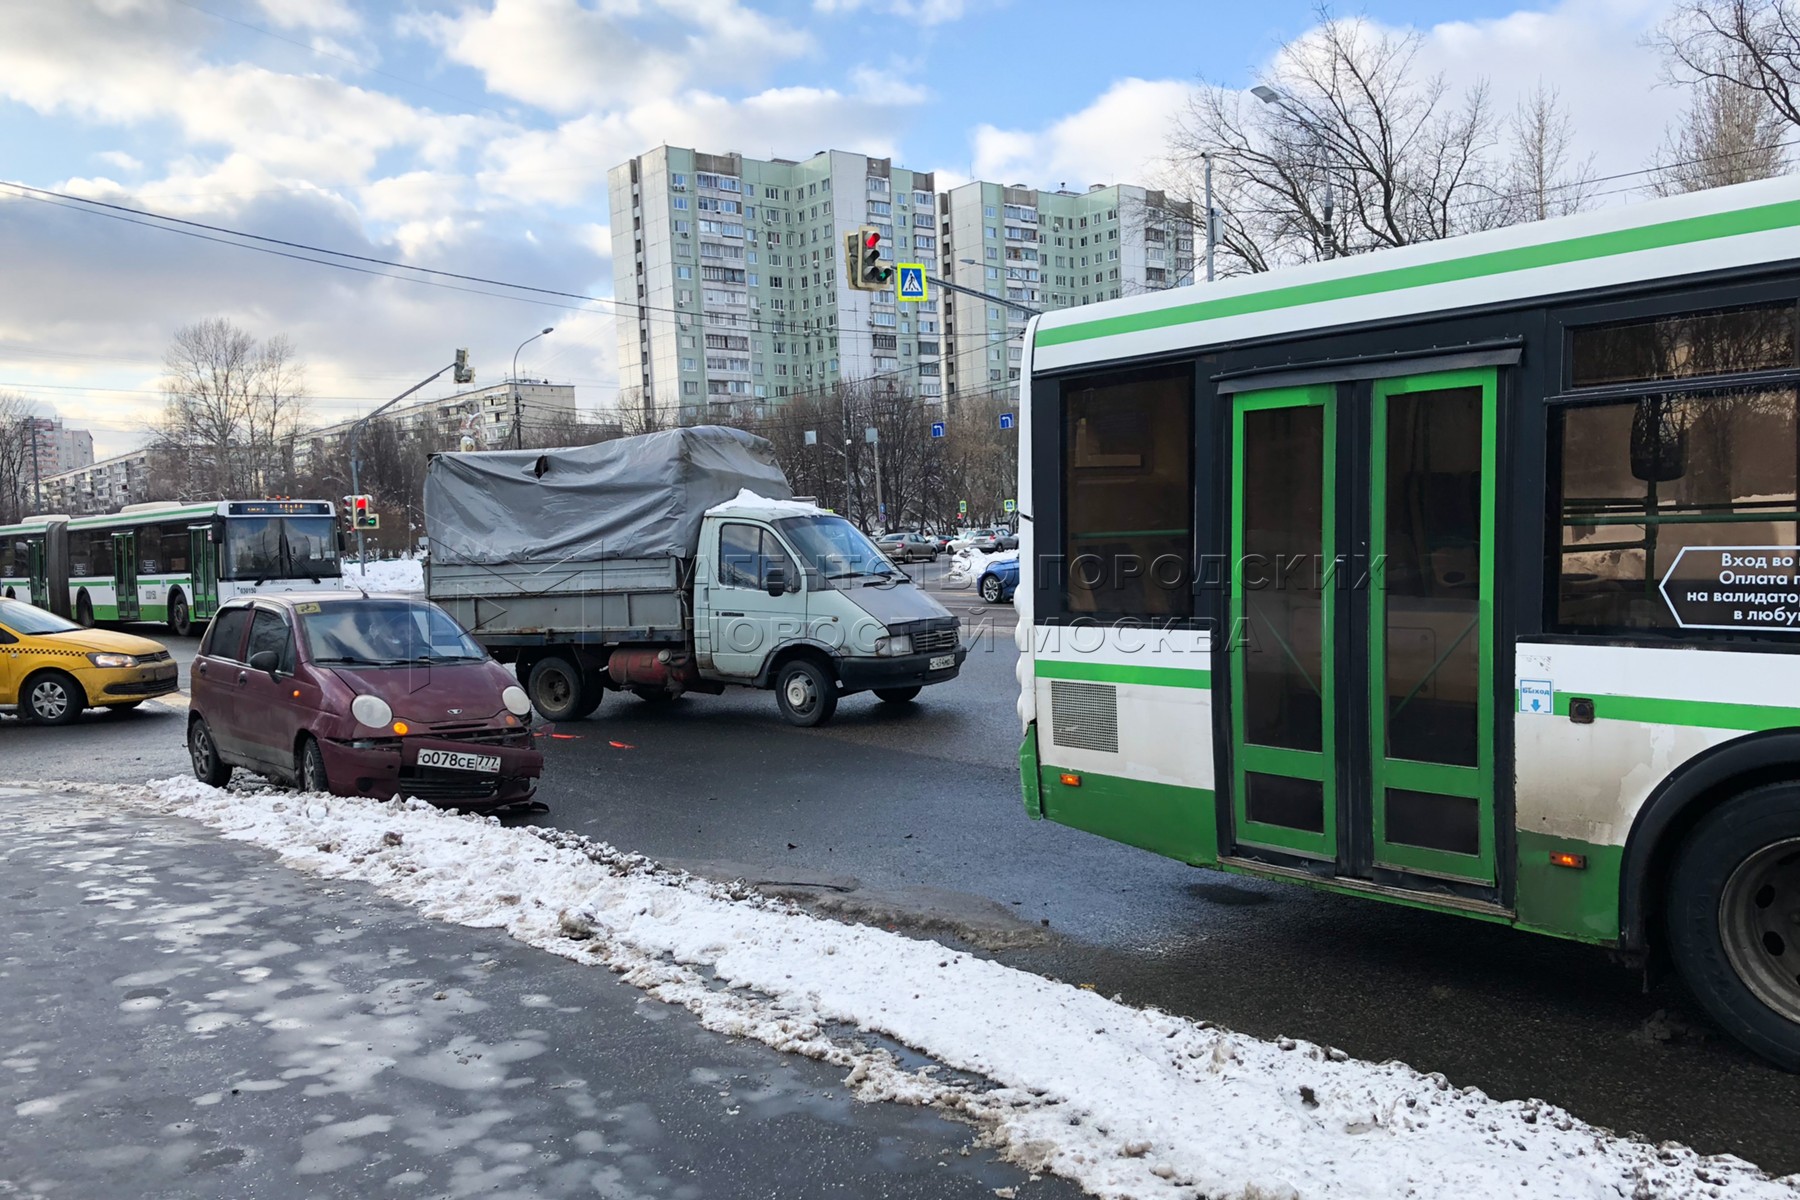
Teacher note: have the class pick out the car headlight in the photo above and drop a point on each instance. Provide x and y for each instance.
(113, 660)
(893, 645)
(516, 701)
(372, 711)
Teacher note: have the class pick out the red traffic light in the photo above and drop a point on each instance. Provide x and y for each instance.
(872, 240)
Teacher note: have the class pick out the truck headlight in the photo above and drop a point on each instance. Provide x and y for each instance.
(113, 660)
(372, 711)
(516, 701)
(893, 645)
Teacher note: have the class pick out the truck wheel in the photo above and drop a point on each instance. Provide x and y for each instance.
(899, 695)
(1734, 919)
(593, 691)
(555, 689)
(806, 693)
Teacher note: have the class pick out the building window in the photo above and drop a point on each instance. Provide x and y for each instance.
(677, 180)
(680, 202)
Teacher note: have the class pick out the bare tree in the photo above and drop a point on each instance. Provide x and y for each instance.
(1348, 148)
(1743, 45)
(1541, 181)
(1729, 134)
(231, 407)
(17, 450)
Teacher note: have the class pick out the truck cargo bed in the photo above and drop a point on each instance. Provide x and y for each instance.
(596, 602)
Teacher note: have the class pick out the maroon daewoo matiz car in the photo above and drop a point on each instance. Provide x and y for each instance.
(360, 696)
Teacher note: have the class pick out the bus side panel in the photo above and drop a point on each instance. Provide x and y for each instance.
(1581, 784)
(1124, 736)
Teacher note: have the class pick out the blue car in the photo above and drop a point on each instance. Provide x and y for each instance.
(998, 581)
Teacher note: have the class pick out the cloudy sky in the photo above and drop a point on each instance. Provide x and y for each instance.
(475, 135)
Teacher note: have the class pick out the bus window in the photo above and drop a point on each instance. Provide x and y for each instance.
(1129, 499)
(149, 550)
(175, 549)
(90, 554)
(1725, 342)
(1644, 478)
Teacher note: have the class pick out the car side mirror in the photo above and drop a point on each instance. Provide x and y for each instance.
(266, 660)
(775, 580)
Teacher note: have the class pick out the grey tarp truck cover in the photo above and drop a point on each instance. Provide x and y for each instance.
(637, 497)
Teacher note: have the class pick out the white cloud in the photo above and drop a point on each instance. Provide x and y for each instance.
(120, 159)
(925, 12)
(567, 57)
(334, 15)
(1118, 138)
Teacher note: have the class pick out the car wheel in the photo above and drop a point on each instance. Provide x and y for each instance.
(991, 589)
(53, 698)
(899, 695)
(806, 693)
(84, 610)
(311, 767)
(1733, 919)
(181, 618)
(209, 768)
(556, 689)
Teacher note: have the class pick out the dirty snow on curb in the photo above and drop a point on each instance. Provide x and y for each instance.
(1124, 1101)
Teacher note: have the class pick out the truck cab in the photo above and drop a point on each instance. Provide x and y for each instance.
(793, 598)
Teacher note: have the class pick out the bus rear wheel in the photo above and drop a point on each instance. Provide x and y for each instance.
(181, 618)
(84, 611)
(1734, 919)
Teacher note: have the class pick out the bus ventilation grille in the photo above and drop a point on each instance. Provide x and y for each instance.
(1084, 716)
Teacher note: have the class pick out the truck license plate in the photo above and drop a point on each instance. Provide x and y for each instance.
(456, 760)
(942, 662)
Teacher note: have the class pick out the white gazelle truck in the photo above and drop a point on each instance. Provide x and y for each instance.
(670, 563)
(1463, 576)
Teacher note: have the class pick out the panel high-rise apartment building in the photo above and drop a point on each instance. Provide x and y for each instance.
(732, 297)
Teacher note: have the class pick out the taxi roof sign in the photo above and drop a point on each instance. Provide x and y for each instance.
(909, 281)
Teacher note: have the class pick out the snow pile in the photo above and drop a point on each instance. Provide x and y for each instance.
(386, 575)
(1125, 1102)
(963, 568)
(747, 501)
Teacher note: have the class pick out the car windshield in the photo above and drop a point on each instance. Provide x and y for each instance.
(382, 633)
(280, 548)
(836, 548)
(28, 620)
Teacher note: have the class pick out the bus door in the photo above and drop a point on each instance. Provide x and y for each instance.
(203, 564)
(37, 570)
(125, 584)
(1362, 657)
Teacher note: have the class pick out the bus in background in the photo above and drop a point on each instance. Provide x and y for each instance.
(169, 562)
(1464, 576)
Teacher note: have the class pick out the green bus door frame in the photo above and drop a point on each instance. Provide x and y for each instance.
(203, 573)
(125, 583)
(38, 571)
(1420, 685)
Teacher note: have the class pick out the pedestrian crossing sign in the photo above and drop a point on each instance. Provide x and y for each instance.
(909, 281)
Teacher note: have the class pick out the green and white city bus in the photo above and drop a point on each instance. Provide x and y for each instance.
(1462, 575)
(169, 562)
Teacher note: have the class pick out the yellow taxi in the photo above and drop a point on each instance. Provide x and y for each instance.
(52, 669)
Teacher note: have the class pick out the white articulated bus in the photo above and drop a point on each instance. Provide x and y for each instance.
(168, 562)
(1464, 575)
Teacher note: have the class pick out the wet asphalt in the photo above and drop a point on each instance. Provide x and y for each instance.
(912, 818)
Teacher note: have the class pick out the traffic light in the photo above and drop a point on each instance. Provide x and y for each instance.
(362, 512)
(862, 261)
(464, 372)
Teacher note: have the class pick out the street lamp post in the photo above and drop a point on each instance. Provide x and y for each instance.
(1280, 99)
(1212, 218)
(518, 399)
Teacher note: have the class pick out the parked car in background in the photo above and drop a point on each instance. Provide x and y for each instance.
(969, 537)
(907, 547)
(998, 580)
(51, 669)
(941, 541)
(997, 540)
(359, 695)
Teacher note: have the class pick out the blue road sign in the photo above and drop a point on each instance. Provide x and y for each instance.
(1006, 420)
(909, 281)
(937, 429)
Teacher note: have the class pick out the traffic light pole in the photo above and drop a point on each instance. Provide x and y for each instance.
(969, 291)
(463, 375)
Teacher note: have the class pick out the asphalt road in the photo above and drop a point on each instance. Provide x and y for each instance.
(912, 817)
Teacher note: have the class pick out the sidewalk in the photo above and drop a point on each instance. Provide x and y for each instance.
(181, 1016)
